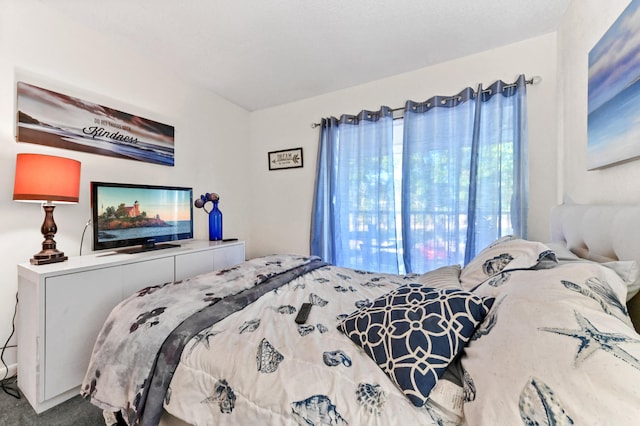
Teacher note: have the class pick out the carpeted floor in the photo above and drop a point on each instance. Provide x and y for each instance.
(74, 412)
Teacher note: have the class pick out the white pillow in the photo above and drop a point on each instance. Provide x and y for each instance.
(563, 254)
(506, 254)
(446, 277)
(555, 348)
(628, 270)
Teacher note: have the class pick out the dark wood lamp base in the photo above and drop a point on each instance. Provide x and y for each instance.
(49, 252)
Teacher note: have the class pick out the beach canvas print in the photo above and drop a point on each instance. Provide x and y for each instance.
(614, 93)
(53, 119)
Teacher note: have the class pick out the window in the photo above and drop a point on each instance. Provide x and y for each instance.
(426, 190)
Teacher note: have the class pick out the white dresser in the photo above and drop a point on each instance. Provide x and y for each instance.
(62, 307)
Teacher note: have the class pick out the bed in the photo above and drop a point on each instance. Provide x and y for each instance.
(526, 333)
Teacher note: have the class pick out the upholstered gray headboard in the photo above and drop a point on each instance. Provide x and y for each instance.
(601, 233)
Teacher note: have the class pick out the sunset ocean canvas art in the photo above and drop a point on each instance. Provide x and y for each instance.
(614, 93)
(54, 119)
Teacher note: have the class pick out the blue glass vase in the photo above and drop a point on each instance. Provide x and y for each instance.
(215, 223)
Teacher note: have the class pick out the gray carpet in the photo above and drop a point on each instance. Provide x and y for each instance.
(74, 412)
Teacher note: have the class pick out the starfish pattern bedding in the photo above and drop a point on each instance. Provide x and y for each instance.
(551, 343)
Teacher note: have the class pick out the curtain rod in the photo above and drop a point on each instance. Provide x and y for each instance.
(536, 79)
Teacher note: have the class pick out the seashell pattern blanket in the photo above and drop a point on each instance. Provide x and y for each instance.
(223, 348)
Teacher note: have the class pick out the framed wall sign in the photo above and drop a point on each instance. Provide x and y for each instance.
(285, 159)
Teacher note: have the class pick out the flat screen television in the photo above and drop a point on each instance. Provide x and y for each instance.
(134, 218)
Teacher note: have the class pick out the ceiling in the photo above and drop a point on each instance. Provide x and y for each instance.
(262, 53)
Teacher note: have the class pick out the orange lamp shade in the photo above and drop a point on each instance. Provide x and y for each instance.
(42, 178)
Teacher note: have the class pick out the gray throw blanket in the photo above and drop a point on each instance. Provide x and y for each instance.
(141, 342)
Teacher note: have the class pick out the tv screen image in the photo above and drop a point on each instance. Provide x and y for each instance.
(127, 215)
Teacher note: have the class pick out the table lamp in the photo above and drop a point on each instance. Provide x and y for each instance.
(47, 179)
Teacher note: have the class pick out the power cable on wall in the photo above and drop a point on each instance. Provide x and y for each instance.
(9, 385)
(82, 238)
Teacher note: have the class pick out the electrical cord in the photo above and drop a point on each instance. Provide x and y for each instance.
(82, 238)
(7, 383)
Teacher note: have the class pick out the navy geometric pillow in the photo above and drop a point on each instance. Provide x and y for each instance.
(414, 332)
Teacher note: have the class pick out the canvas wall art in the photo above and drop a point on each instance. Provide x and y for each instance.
(614, 93)
(54, 119)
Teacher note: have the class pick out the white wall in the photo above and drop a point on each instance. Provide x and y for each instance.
(584, 24)
(39, 46)
(282, 199)
(222, 148)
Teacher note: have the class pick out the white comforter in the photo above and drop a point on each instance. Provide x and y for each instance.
(556, 348)
(257, 366)
(241, 370)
